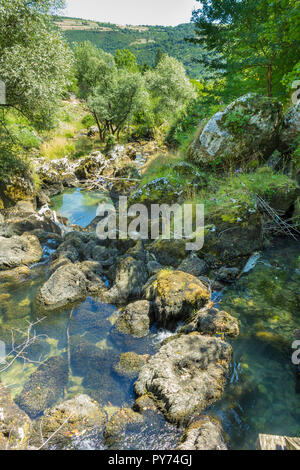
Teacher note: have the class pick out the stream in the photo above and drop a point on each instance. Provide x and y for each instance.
(262, 393)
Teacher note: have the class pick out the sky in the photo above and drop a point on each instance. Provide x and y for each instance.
(135, 12)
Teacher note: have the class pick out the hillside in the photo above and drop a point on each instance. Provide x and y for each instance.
(143, 41)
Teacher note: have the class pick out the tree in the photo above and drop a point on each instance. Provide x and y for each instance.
(126, 60)
(169, 87)
(114, 102)
(114, 93)
(256, 37)
(35, 63)
(159, 56)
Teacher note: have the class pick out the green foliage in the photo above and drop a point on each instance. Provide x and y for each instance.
(144, 43)
(88, 121)
(236, 122)
(263, 34)
(126, 60)
(35, 63)
(11, 163)
(169, 87)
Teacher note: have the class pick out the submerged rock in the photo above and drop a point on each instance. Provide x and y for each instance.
(186, 376)
(15, 425)
(203, 434)
(44, 387)
(119, 423)
(15, 275)
(176, 296)
(227, 274)
(135, 319)
(66, 420)
(246, 130)
(130, 364)
(17, 251)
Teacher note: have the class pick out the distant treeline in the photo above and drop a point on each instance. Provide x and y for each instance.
(145, 44)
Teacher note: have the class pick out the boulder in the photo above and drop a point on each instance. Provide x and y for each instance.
(169, 252)
(135, 319)
(131, 275)
(176, 295)
(15, 275)
(69, 284)
(246, 130)
(193, 265)
(187, 375)
(15, 425)
(203, 434)
(44, 387)
(17, 251)
(290, 128)
(18, 188)
(227, 274)
(130, 364)
(212, 321)
(66, 420)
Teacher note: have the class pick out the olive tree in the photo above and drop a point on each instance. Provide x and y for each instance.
(169, 86)
(35, 63)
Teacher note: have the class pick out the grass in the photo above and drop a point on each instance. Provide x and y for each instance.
(229, 196)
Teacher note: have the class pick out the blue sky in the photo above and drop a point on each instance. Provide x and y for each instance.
(136, 12)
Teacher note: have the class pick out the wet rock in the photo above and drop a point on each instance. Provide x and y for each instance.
(212, 321)
(15, 275)
(290, 128)
(247, 129)
(187, 375)
(193, 265)
(130, 364)
(203, 434)
(19, 221)
(135, 319)
(16, 251)
(119, 423)
(176, 296)
(227, 274)
(153, 267)
(71, 418)
(69, 284)
(90, 166)
(15, 425)
(131, 275)
(44, 387)
(145, 404)
(169, 252)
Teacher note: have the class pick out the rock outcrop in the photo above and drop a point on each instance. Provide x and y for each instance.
(247, 130)
(186, 376)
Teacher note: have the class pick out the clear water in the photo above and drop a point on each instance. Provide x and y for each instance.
(78, 206)
(262, 395)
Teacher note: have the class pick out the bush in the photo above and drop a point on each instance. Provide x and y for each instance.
(11, 163)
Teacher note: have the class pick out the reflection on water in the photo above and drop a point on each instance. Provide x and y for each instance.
(78, 206)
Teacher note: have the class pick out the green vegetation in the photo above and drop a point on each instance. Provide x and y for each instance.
(144, 42)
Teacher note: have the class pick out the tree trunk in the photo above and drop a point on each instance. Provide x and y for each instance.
(269, 68)
(101, 136)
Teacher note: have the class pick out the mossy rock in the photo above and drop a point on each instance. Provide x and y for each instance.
(158, 191)
(177, 295)
(116, 427)
(130, 364)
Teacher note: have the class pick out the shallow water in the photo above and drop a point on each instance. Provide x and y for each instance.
(78, 206)
(262, 395)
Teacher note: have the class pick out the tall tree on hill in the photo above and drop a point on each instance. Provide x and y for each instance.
(257, 38)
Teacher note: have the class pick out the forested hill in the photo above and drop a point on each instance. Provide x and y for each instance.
(143, 41)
